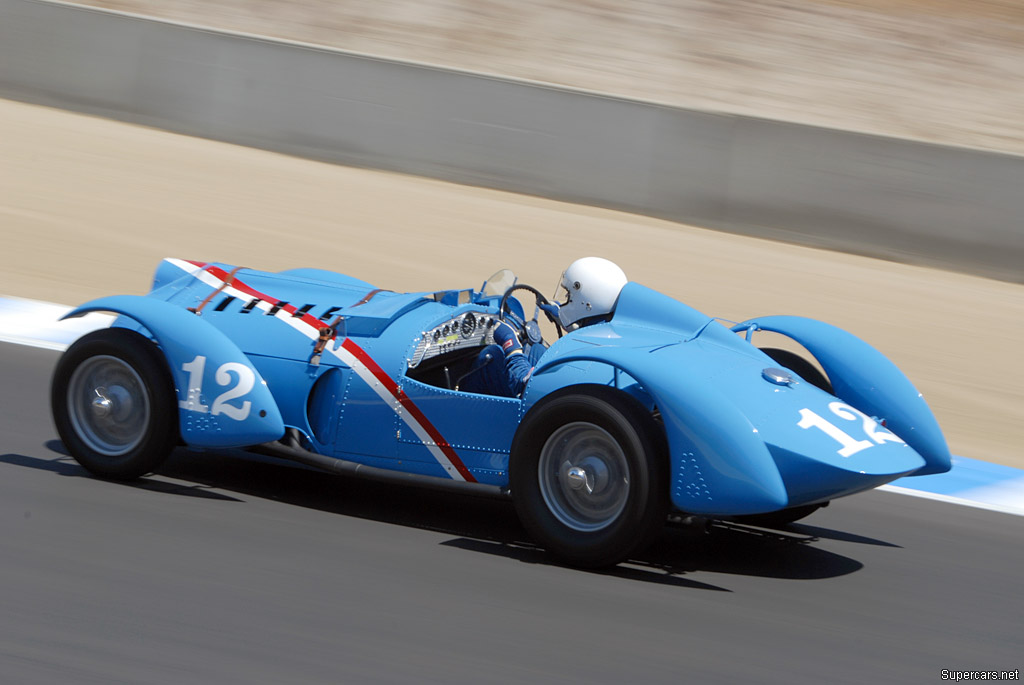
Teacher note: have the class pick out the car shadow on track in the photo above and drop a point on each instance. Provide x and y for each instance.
(66, 466)
(719, 547)
(485, 525)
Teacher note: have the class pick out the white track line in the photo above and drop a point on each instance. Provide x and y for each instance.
(1015, 508)
(36, 324)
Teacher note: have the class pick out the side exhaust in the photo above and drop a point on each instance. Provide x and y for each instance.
(290, 449)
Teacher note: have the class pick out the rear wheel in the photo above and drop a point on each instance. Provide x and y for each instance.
(112, 398)
(589, 475)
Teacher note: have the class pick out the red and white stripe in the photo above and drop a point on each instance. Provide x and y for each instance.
(349, 353)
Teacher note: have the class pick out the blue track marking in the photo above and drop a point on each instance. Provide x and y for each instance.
(971, 482)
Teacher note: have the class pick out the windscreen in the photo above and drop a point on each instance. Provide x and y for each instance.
(498, 283)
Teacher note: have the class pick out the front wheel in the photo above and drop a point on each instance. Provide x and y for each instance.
(589, 475)
(113, 403)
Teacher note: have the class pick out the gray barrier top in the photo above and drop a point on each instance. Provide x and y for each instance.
(885, 197)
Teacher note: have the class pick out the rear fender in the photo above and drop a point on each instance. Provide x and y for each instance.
(866, 379)
(719, 464)
(223, 401)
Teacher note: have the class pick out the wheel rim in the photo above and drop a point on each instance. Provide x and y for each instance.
(584, 476)
(108, 405)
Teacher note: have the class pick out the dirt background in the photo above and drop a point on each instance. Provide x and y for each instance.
(940, 70)
(89, 206)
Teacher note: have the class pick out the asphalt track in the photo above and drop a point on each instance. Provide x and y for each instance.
(233, 569)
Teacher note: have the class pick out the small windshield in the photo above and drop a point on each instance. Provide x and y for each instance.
(499, 283)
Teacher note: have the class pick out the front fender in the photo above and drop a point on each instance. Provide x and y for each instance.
(719, 463)
(866, 379)
(223, 401)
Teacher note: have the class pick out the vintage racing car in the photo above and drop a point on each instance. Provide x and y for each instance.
(661, 409)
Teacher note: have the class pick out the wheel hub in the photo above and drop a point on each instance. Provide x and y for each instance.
(101, 405)
(576, 477)
(584, 476)
(107, 405)
(591, 475)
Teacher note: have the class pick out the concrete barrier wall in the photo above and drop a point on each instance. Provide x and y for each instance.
(891, 198)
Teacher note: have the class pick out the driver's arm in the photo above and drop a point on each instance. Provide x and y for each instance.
(517, 366)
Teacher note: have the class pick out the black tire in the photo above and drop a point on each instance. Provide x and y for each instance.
(617, 502)
(810, 373)
(803, 368)
(113, 402)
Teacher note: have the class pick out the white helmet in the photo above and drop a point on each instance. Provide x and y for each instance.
(593, 285)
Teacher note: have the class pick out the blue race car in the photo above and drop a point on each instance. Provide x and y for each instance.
(659, 409)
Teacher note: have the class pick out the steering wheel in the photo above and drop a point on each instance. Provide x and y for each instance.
(528, 331)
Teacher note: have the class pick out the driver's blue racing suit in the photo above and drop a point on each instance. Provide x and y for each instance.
(502, 372)
(505, 368)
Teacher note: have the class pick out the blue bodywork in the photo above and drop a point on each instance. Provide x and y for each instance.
(370, 376)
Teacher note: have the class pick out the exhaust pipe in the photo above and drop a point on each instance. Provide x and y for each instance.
(289, 449)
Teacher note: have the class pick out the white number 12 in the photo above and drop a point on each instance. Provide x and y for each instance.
(246, 381)
(850, 445)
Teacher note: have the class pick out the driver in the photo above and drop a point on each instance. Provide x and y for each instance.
(592, 286)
